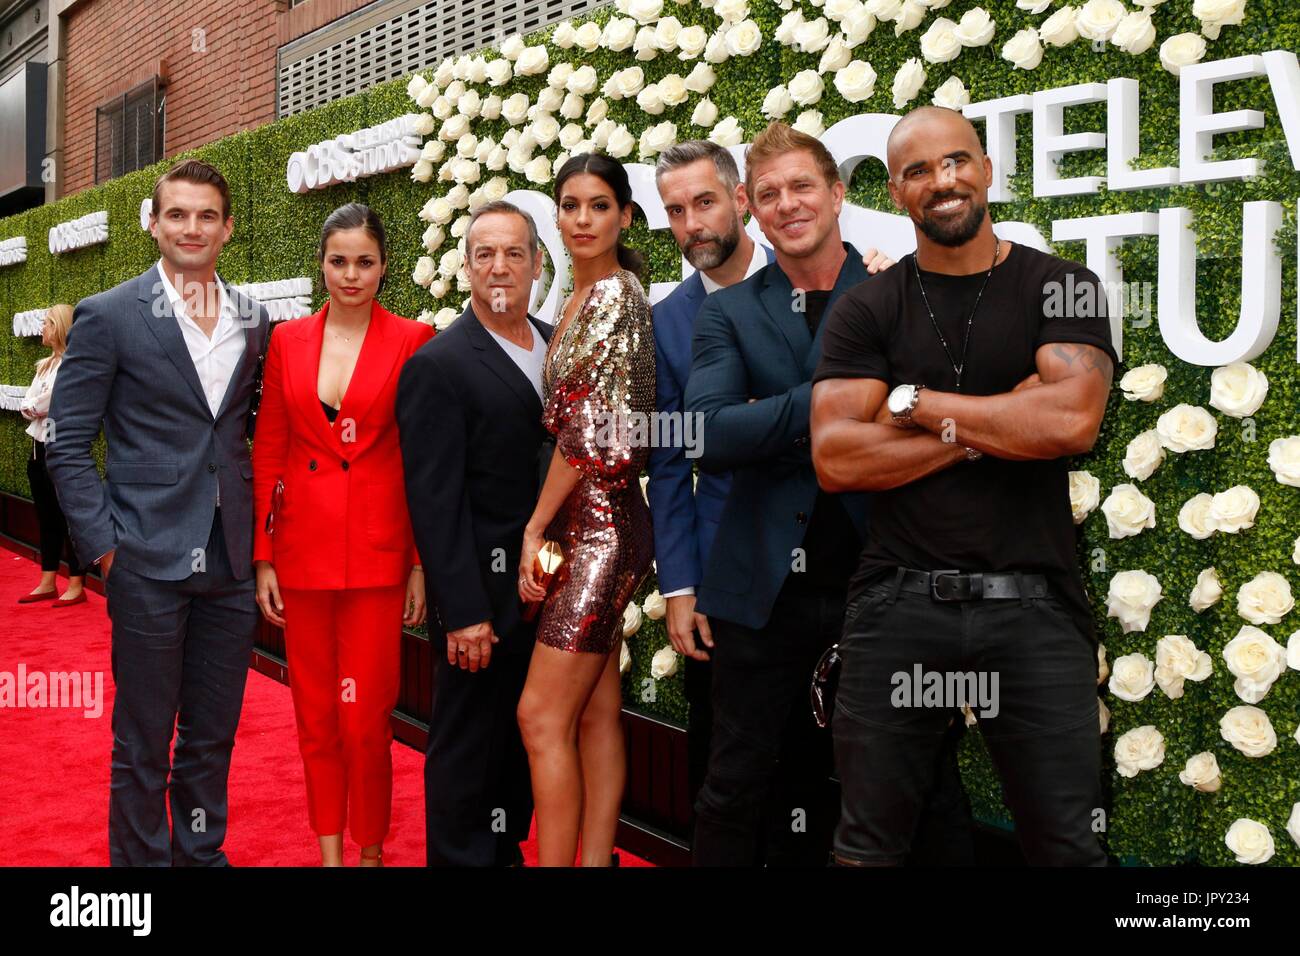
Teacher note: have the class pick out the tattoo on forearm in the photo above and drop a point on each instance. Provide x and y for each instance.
(1087, 358)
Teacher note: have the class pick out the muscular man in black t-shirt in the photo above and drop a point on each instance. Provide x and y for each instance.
(956, 386)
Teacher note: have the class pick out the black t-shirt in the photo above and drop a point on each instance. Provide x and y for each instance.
(991, 514)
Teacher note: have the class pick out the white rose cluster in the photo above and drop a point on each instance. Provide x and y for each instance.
(1130, 598)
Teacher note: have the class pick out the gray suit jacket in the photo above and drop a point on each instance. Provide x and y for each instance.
(128, 368)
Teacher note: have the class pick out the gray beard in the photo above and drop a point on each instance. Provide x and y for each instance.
(714, 256)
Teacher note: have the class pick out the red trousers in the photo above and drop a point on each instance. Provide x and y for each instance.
(343, 649)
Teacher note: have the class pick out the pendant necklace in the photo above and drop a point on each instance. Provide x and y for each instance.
(957, 367)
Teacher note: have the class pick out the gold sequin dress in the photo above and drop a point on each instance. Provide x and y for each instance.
(599, 379)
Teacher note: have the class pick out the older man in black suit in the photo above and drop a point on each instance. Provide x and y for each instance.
(470, 412)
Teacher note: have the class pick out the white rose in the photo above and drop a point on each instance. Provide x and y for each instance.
(454, 127)
(513, 47)
(858, 25)
(1060, 28)
(836, 56)
(624, 658)
(1207, 590)
(558, 163)
(644, 46)
(667, 31)
(424, 271)
(952, 94)
(705, 114)
(496, 160)
(1215, 14)
(532, 61)
(1130, 598)
(1098, 19)
(621, 142)
(812, 35)
(443, 107)
(538, 170)
(587, 36)
(1250, 840)
(885, 10)
(433, 237)
(1128, 511)
(1293, 824)
(1143, 455)
(559, 75)
(909, 17)
(571, 135)
(1103, 668)
(1233, 510)
(837, 10)
(565, 35)
(548, 101)
(1142, 748)
(811, 123)
(691, 42)
(572, 107)
(744, 38)
(600, 135)
(664, 663)
(630, 82)
(1202, 773)
(856, 82)
(1187, 428)
(1135, 33)
(469, 104)
(777, 102)
(582, 81)
(790, 23)
(1103, 715)
(1085, 493)
(1284, 459)
(672, 90)
(1180, 50)
(597, 112)
(1178, 660)
(731, 11)
(1293, 651)
(425, 317)
(416, 87)
(466, 171)
(976, 28)
(631, 619)
(1194, 516)
(806, 88)
(422, 171)
(1145, 383)
(450, 263)
(645, 11)
(456, 90)
(441, 211)
(1265, 598)
(1238, 390)
(491, 108)
(701, 79)
(544, 129)
(1023, 50)
(619, 35)
(1249, 730)
(495, 188)
(444, 318)
(459, 226)
(908, 82)
(650, 101)
(1256, 660)
(655, 606)
(467, 146)
(715, 51)
(1132, 677)
(939, 43)
(514, 109)
(1033, 6)
(656, 139)
(447, 171)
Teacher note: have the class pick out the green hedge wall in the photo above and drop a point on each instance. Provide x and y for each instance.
(1152, 818)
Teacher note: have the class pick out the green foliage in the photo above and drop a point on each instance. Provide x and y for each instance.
(1153, 817)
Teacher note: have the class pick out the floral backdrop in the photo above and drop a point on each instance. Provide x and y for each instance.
(1189, 530)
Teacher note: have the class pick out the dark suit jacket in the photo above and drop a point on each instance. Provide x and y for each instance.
(751, 343)
(685, 519)
(471, 431)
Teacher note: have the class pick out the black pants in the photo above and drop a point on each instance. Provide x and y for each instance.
(181, 652)
(478, 797)
(49, 516)
(1044, 738)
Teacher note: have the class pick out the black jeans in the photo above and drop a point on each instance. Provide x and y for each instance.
(49, 516)
(1044, 737)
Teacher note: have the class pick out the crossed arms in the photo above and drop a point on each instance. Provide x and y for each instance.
(1057, 411)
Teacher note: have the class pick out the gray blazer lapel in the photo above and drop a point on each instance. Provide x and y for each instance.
(249, 316)
(161, 320)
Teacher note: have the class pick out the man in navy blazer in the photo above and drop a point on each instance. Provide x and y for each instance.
(774, 581)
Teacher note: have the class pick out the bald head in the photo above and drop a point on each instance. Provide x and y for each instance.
(933, 126)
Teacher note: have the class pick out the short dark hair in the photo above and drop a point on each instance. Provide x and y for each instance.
(193, 171)
(354, 215)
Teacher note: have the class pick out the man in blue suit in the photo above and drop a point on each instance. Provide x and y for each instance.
(774, 578)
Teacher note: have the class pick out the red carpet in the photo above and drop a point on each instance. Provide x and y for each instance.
(54, 784)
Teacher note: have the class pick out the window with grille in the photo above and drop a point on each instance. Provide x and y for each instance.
(129, 131)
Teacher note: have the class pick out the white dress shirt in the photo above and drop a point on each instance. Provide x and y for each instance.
(216, 358)
(757, 260)
(36, 403)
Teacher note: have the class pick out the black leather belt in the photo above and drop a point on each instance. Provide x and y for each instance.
(974, 586)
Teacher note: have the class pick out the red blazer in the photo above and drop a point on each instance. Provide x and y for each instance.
(342, 520)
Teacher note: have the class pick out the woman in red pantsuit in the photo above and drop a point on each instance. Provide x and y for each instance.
(335, 558)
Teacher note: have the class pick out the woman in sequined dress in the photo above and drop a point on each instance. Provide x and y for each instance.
(599, 374)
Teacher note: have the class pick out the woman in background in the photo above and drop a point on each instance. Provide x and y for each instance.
(599, 372)
(335, 557)
(54, 529)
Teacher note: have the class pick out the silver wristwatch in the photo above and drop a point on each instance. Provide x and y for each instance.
(901, 403)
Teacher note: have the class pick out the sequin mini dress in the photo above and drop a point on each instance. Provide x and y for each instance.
(599, 380)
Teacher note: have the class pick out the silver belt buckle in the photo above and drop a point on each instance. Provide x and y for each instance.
(935, 577)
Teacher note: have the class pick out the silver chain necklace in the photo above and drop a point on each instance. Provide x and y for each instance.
(958, 368)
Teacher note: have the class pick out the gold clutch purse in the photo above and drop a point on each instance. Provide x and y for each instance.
(546, 566)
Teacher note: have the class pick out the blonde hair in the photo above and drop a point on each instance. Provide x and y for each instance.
(61, 315)
(779, 139)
